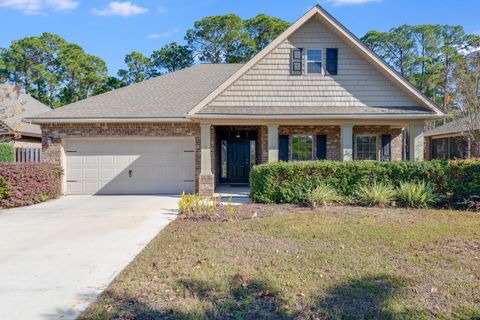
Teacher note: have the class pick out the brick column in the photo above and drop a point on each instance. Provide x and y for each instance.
(347, 142)
(272, 143)
(417, 142)
(206, 182)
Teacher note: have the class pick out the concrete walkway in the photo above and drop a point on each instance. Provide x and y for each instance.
(58, 256)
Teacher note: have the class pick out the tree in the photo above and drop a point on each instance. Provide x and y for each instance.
(218, 39)
(428, 42)
(108, 84)
(263, 29)
(10, 106)
(397, 47)
(82, 72)
(50, 69)
(139, 68)
(172, 57)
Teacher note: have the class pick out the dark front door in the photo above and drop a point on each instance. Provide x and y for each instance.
(238, 164)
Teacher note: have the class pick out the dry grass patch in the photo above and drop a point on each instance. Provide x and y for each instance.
(335, 263)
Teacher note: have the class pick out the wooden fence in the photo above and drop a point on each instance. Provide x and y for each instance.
(28, 154)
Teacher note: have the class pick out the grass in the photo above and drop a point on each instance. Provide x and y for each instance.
(335, 263)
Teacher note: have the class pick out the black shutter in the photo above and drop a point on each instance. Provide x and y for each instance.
(332, 61)
(386, 147)
(283, 148)
(321, 147)
(297, 61)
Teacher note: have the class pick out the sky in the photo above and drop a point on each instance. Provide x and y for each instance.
(111, 29)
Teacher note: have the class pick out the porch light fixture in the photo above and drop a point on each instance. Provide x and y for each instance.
(238, 135)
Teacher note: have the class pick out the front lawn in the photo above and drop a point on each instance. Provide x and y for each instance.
(330, 263)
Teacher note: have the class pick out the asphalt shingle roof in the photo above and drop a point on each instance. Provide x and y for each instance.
(19, 106)
(168, 96)
(456, 126)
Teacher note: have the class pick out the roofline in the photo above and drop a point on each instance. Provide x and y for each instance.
(352, 116)
(105, 120)
(346, 33)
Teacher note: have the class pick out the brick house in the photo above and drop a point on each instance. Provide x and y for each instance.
(316, 92)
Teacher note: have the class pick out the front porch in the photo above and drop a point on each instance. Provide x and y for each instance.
(228, 152)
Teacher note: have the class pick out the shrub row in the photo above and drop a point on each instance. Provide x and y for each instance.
(23, 184)
(7, 152)
(293, 182)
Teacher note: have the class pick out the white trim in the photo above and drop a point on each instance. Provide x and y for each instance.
(352, 39)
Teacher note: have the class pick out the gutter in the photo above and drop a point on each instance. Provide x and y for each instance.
(103, 120)
(311, 117)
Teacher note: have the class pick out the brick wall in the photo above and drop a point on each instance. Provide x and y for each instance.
(53, 153)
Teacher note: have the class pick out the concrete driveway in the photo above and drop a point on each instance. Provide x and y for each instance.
(57, 257)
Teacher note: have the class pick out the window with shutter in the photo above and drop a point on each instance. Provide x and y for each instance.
(283, 148)
(322, 147)
(332, 61)
(386, 147)
(297, 61)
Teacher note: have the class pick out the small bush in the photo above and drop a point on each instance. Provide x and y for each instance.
(4, 190)
(193, 206)
(415, 195)
(323, 195)
(377, 194)
(29, 183)
(7, 152)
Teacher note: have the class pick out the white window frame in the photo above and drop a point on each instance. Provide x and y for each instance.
(291, 144)
(366, 135)
(322, 62)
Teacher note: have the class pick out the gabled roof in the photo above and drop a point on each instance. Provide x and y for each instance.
(164, 98)
(471, 122)
(350, 39)
(18, 106)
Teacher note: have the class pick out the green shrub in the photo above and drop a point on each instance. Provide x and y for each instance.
(7, 152)
(454, 182)
(415, 195)
(293, 182)
(377, 194)
(323, 195)
(4, 189)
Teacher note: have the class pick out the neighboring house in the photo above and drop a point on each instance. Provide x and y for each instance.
(457, 139)
(15, 106)
(316, 92)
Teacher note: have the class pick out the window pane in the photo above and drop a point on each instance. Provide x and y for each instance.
(302, 148)
(252, 153)
(458, 147)
(314, 67)
(440, 149)
(223, 158)
(314, 55)
(366, 147)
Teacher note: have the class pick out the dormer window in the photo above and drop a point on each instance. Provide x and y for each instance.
(314, 61)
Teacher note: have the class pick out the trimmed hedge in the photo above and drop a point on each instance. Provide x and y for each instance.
(28, 183)
(7, 152)
(292, 182)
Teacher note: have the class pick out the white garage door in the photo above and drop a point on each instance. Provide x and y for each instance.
(133, 166)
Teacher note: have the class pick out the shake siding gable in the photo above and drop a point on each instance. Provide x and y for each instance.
(271, 84)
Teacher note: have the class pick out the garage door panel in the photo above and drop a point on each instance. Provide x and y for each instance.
(102, 166)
